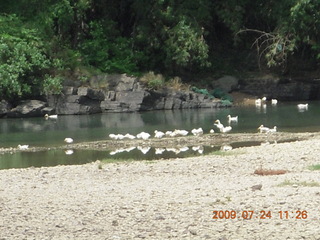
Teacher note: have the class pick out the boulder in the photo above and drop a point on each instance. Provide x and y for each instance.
(226, 83)
(29, 108)
(122, 82)
(95, 94)
(4, 108)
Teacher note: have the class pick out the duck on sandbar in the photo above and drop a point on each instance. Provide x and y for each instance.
(68, 140)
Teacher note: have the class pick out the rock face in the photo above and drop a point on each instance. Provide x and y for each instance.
(284, 89)
(113, 93)
(226, 83)
(4, 108)
(29, 108)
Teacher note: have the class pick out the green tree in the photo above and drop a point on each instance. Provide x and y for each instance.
(25, 67)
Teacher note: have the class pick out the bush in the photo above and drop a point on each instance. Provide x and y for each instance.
(220, 93)
(153, 81)
(202, 91)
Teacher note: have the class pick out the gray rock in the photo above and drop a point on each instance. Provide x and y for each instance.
(110, 106)
(227, 83)
(66, 108)
(122, 82)
(29, 108)
(4, 108)
(67, 90)
(94, 94)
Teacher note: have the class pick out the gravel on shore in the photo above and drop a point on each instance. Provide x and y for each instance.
(169, 199)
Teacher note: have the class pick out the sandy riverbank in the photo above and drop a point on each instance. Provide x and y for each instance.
(168, 199)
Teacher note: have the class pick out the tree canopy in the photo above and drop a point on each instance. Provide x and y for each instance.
(41, 40)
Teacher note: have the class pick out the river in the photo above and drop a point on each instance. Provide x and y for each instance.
(51, 133)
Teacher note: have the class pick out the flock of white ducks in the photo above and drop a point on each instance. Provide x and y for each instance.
(177, 132)
(157, 134)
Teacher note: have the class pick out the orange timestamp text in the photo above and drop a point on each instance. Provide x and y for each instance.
(263, 214)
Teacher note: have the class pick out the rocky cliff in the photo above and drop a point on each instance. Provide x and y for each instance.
(119, 94)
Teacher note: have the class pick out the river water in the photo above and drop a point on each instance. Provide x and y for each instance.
(51, 133)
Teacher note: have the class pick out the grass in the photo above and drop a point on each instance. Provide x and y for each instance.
(301, 184)
(225, 153)
(314, 167)
(117, 160)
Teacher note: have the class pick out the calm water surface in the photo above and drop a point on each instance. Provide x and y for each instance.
(50, 133)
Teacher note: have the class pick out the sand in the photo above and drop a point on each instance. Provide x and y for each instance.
(169, 199)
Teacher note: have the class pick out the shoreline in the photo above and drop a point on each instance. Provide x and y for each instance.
(165, 199)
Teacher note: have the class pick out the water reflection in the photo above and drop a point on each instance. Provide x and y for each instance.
(75, 156)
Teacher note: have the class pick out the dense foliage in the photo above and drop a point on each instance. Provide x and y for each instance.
(42, 40)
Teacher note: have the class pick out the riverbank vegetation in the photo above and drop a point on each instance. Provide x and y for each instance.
(43, 42)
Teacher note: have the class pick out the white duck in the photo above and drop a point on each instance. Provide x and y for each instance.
(181, 132)
(232, 119)
(47, 116)
(302, 106)
(113, 136)
(218, 124)
(159, 134)
(274, 102)
(197, 132)
(226, 148)
(273, 130)
(226, 129)
(258, 102)
(263, 129)
(143, 135)
(168, 133)
(23, 147)
(68, 140)
(129, 136)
